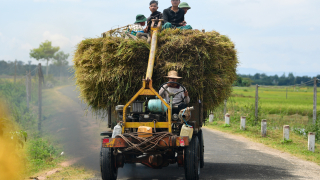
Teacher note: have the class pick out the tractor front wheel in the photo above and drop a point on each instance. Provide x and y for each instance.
(192, 160)
(109, 171)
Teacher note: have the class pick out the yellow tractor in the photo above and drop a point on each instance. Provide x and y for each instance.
(154, 132)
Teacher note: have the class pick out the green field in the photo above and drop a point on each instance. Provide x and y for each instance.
(273, 99)
(295, 110)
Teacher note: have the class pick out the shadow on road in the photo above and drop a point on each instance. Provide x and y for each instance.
(210, 171)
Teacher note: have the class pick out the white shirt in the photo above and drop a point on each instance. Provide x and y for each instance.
(136, 27)
(176, 99)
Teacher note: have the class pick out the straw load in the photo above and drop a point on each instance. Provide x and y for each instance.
(109, 71)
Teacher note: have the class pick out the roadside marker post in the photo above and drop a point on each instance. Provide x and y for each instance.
(264, 128)
(227, 118)
(311, 141)
(211, 116)
(243, 123)
(286, 132)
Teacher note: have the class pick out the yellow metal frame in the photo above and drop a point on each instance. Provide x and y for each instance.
(147, 89)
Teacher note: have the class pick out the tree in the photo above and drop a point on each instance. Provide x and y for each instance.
(257, 76)
(60, 60)
(45, 51)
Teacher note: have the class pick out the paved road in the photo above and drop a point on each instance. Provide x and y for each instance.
(226, 156)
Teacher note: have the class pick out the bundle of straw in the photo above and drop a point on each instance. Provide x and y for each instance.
(109, 71)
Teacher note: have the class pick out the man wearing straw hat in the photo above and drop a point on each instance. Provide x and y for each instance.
(174, 88)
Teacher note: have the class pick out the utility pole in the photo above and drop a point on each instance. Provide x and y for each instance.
(27, 88)
(314, 100)
(286, 93)
(256, 105)
(29, 62)
(225, 107)
(40, 75)
(15, 70)
(30, 84)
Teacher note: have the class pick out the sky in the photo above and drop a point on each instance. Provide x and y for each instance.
(271, 36)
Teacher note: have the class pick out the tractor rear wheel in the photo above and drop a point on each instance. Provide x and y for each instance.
(200, 136)
(192, 160)
(109, 171)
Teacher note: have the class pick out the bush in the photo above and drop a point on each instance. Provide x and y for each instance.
(314, 128)
(41, 152)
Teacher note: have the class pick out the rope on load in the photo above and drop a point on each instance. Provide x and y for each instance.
(146, 144)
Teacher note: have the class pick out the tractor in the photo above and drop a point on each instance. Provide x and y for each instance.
(154, 132)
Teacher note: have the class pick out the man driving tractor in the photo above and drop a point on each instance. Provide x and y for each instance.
(174, 88)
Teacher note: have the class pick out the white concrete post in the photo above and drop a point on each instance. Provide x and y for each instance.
(264, 128)
(211, 116)
(227, 118)
(243, 123)
(311, 141)
(286, 131)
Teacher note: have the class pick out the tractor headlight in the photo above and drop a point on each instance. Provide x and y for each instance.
(175, 117)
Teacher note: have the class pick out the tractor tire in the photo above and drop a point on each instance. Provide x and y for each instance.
(192, 160)
(200, 136)
(108, 165)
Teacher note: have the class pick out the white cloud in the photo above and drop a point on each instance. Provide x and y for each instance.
(266, 13)
(26, 46)
(61, 40)
(55, 0)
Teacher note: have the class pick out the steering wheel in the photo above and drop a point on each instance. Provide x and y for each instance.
(184, 89)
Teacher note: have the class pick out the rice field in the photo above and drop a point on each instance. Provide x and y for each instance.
(295, 109)
(273, 100)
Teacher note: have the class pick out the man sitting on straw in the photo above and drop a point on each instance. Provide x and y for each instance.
(136, 30)
(174, 17)
(185, 6)
(174, 88)
(155, 14)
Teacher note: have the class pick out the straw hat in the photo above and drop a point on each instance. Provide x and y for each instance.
(173, 74)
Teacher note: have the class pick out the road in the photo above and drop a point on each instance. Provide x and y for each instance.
(226, 156)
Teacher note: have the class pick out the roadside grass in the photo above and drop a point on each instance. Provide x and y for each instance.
(53, 103)
(71, 172)
(42, 154)
(37, 152)
(298, 147)
(295, 111)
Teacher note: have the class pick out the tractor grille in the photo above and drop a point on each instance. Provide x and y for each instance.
(137, 107)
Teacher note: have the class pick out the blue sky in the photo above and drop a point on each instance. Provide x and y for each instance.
(271, 36)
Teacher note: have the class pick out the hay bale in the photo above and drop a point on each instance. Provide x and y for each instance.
(109, 71)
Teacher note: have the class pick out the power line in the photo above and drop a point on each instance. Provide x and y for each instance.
(33, 70)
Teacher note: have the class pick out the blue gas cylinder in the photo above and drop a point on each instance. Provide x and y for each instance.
(156, 106)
